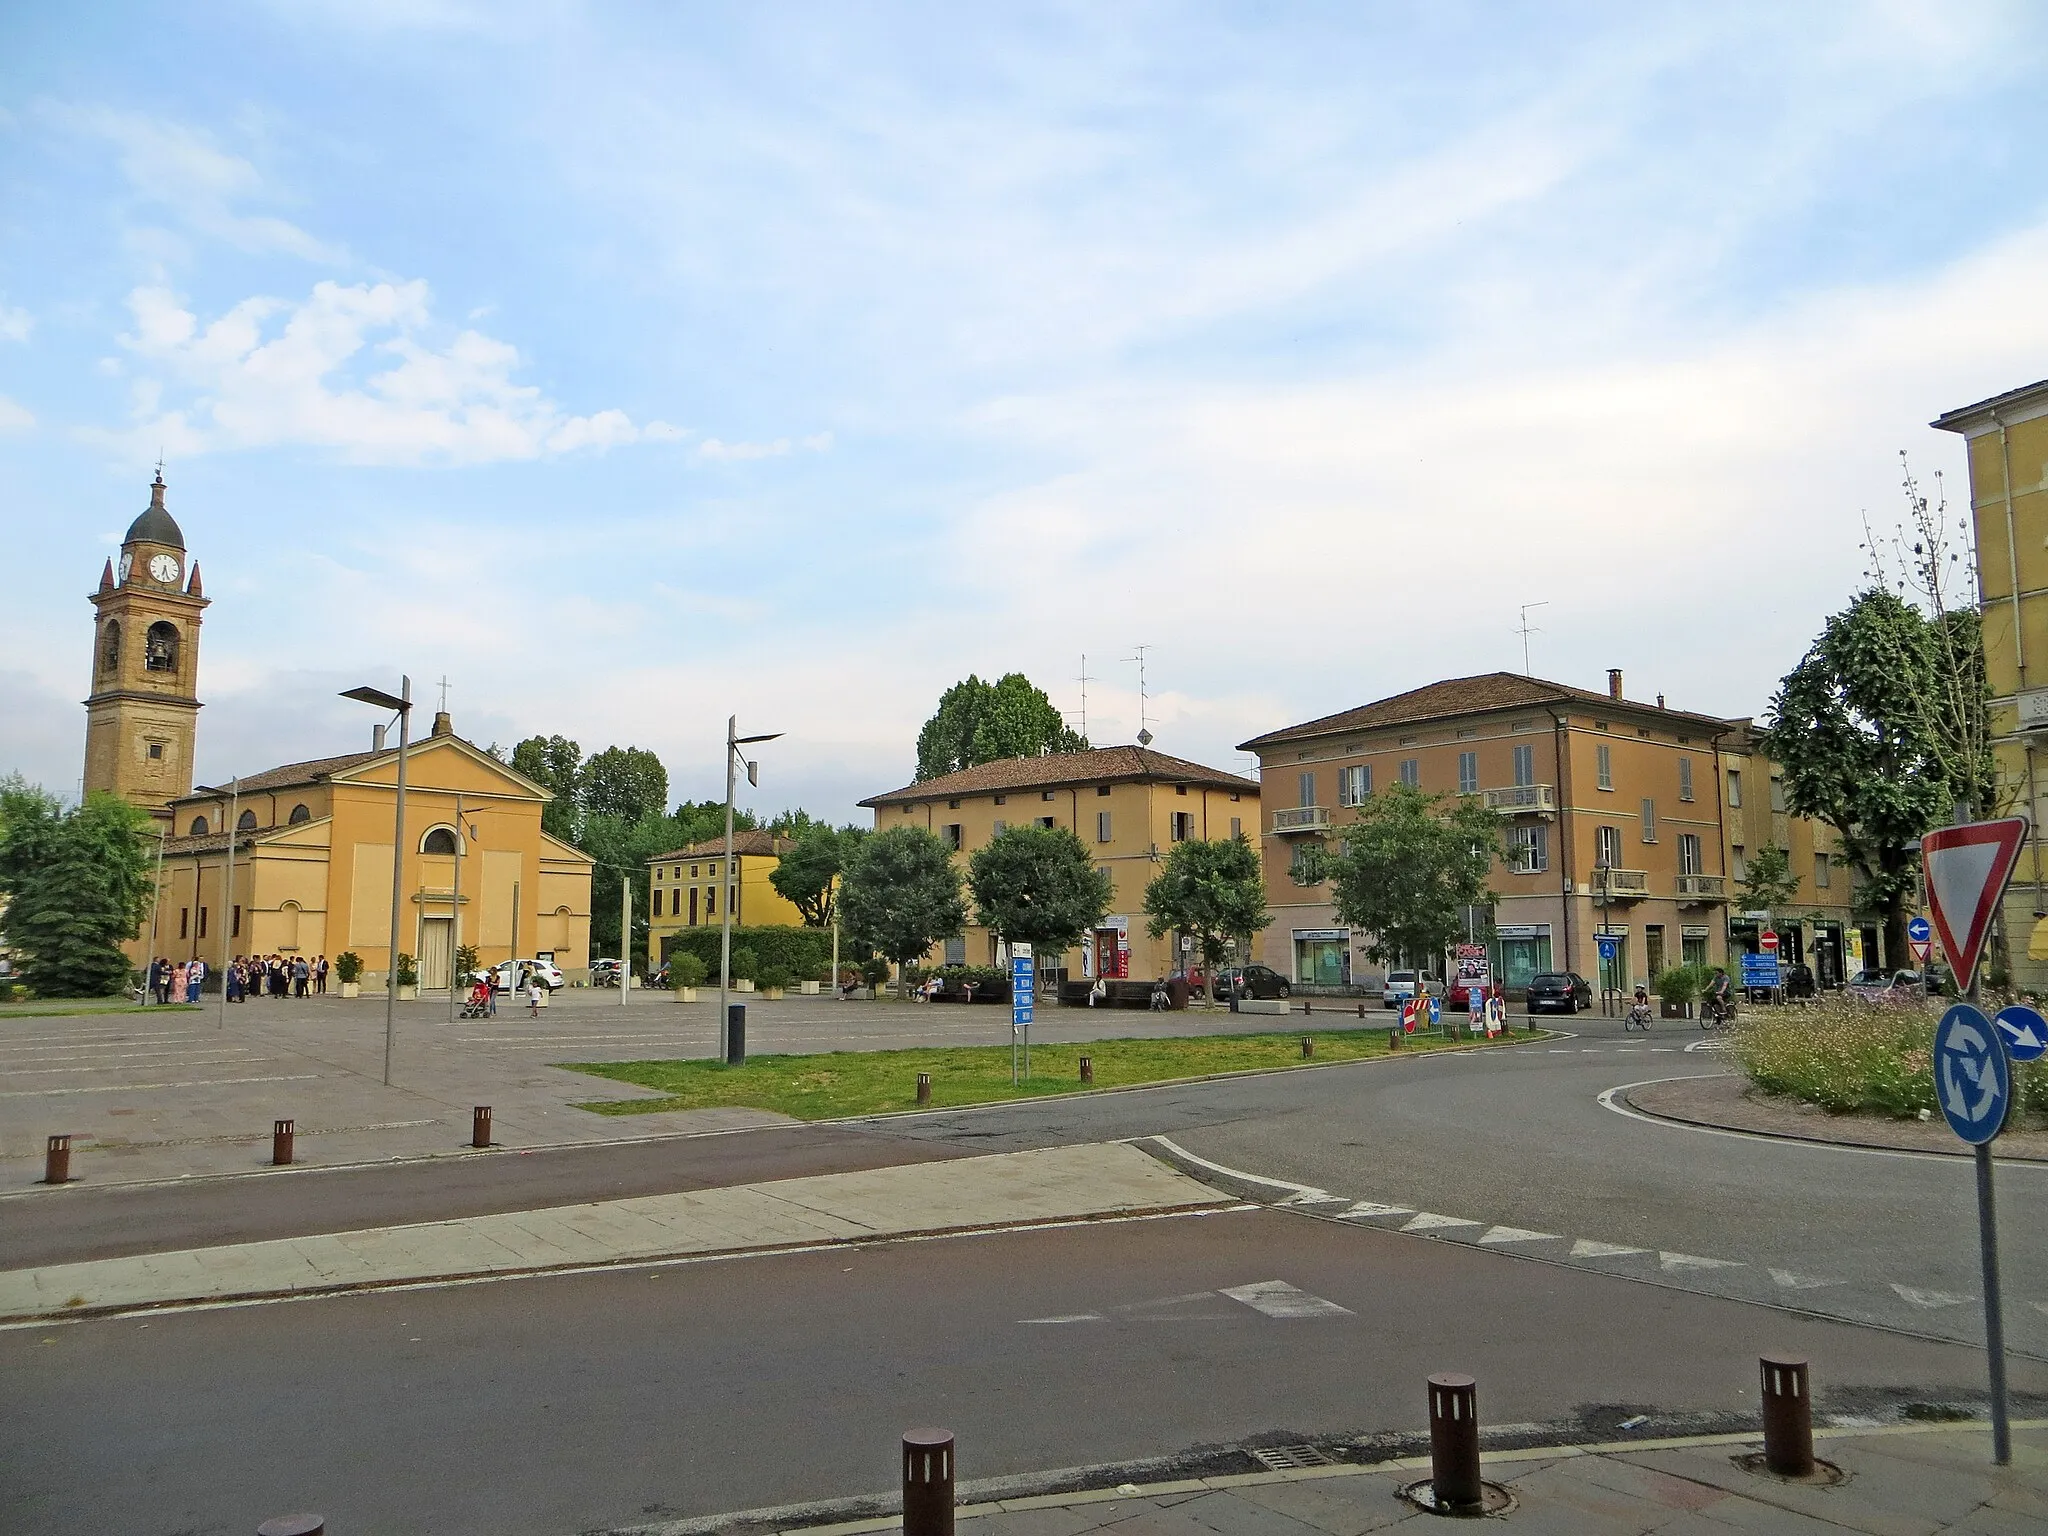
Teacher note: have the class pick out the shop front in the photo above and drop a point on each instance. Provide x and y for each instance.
(1524, 951)
(1322, 957)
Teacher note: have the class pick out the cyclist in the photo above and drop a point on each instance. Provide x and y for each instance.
(1718, 995)
(1639, 1011)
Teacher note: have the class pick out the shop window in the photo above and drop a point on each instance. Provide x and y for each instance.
(1649, 820)
(1525, 766)
(1685, 778)
(1411, 772)
(1102, 826)
(1468, 773)
(1523, 954)
(1603, 766)
(1692, 947)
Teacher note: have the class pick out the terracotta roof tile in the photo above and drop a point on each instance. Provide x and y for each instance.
(1100, 765)
(311, 772)
(752, 842)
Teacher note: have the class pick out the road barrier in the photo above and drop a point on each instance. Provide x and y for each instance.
(480, 1126)
(924, 1087)
(928, 1482)
(1454, 1444)
(1087, 1069)
(1788, 1415)
(281, 1137)
(57, 1160)
(294, 1525)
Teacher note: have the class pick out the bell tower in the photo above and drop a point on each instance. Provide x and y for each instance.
(142, 718)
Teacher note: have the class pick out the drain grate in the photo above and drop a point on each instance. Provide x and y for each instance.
(1285, 1458)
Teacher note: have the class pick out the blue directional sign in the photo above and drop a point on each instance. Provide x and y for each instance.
(1609, 945)
(1760, 971)
(1920, 931)
(1436, 1012)
(2023, 1031)
(1023, 984)
(1972, 1078)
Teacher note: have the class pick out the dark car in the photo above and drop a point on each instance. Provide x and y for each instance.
(1259, 981)
(1799, 979)
(1559, 992)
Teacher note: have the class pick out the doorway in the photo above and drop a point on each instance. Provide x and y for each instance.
(437, 952)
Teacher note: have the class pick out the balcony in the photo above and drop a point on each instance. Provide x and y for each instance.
(1620, 884)
(1300, 820)
(1521, 800)
(1702, 890)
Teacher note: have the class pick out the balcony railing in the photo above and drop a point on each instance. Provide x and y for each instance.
(1621, 884)
(1521, 800)
(1702, 888)
(1301, 818)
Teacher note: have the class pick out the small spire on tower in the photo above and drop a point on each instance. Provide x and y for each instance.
(107, 576)
(192, 587)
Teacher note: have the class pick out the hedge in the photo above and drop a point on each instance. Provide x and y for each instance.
(805, 953)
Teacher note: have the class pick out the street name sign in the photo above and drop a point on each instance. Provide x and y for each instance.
(2022, 1031)
(1023, 984)
(1967, 869)
(1971, 1076)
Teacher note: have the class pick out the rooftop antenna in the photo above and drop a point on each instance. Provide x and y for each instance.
(1144, 731)
(1526, 629)
(1084, 680)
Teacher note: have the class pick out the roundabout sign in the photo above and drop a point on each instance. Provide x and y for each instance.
(1972, 1078)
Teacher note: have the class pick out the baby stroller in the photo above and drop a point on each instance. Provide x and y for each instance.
(479, 1004)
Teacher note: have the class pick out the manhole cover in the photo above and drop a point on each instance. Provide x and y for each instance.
(1285, 1458)
(1493, 1500)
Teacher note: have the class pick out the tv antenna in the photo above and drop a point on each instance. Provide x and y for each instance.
(1144, 725)
(1084, 680)
(1525, 629)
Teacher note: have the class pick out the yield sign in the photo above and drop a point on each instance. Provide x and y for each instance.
(1967, 868)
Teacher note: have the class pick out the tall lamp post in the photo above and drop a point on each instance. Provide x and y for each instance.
(733, 756)
(403, 705)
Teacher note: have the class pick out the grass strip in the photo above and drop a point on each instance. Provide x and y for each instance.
(55, 1009)
(836, 1084)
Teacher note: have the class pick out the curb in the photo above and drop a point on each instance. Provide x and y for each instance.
(1933, 1150)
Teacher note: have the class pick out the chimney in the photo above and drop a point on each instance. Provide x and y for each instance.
(1614, 682)
(376, 738)
(443, 726)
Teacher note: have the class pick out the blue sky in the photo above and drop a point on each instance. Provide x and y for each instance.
(631, 366)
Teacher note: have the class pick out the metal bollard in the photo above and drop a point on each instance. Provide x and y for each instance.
(1788, 1416)
(1308, 1047)
(480, 1126)
(1087, 1069)
(294, 1525)
(57, 1161)
(1308, 1005)
(924, 1087)
(1454, 1441)
(735, 1034)
(1361, 1010)
(1393, 1039)
(928, 1482)
(281, 1137)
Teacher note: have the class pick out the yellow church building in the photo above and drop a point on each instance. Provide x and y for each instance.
(310, 843)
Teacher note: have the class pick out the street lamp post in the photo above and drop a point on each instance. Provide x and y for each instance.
(403, 705)
(733, 755)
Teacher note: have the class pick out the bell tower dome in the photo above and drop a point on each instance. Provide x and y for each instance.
(142, 717)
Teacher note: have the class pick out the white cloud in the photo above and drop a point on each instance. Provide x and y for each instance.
(13, 417)
(269, 372)
(715, 448)
(15, 324)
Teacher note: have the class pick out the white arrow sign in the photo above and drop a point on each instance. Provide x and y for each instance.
(2024, 1032)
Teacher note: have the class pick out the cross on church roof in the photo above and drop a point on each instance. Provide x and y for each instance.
(444, 693)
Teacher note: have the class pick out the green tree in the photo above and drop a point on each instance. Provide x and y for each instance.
(626, 782)
(1210, 891)
(556, 764)
(1038, 886)
(77, 884)
(1769, 885)
(1410, 866)
(901, 894)
(1864, 751)
(978, 722)
(805, 876)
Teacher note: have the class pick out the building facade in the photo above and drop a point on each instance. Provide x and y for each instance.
(687, 885)
(1127, 805)
(2007, 441)
(1609, 807)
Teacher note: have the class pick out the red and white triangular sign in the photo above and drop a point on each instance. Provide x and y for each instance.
(1967, 869)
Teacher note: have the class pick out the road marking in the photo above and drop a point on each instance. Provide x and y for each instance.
(1516, 1235)
(1671, 1262)
(190, 1061)
(1374, 1208)
(1250, 1178)
(1586, 1248)
(208, 1082)
(1796, 1282)
(1930, 1299)
(1430, 1221)
(1071, 1317)
(1276, 1298)
(1315, 1198)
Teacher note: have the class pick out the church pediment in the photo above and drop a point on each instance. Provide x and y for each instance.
(445, 763)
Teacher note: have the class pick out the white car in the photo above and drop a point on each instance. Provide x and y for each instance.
(1402, 985)
(511, 976)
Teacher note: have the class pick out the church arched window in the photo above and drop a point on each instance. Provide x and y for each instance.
(299, 814)
(160, 652)
(439, 840)
(110, 646)
(199, 827)
(247, 823)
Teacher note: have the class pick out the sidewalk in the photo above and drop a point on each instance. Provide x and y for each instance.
(1904, 1481)
(956, 1195)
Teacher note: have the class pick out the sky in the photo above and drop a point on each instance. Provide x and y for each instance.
(634, 366)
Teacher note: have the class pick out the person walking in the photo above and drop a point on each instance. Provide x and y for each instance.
(195, 973)
(302, 977)
(533, 990)
(159, 980)
(320, 977)
(178, 982)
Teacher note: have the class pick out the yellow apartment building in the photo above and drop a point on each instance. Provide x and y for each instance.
(684, 888)
(1128, 806)
(1610, 808)
(312, 860)
(1818, 925)
(2007, 442)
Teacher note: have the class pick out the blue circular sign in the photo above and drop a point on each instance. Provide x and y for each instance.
(2023, 1032)
(1972, 1078)
(1919, 930)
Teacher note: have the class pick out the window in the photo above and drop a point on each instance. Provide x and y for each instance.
(246, 822)
(657, 901)
(1523, 725)
(1000, 799)
(1180, 789)
(1607, 847)
(156, 749)
(711, 871)
(160, 648)
(710, 902)
(1529, 849)
(1689, 853)
(1525, 766)
(1603, 765)
(956, 951)
(1823, 874)
(299, 814)
(1102, 789)
(1102, 826)
(1306, 867)
(1685, 778)
(1046, 822)
(1735, 786)
(1307, 784)
(951, 833)
(110, 650)
(184, 917)
(1599, 725)
(1183, 826)
(693, 906)
(441, 840)
(236, 920)
(1409, 741)
(1411, 772)
(1739, 863)
(202, 922)
(1354, 784)
(1236, 827)
(1777, 792)
(1468, 732)
(1649, 820)
(1468, 773)
(693, 871)
(1000, 826)
(952, 805)
(1045, 794)
(199, 827)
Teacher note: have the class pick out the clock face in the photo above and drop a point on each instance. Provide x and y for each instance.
(163, 568)
(127, 565)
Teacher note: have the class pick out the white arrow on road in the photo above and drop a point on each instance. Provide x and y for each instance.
(1921, 1298)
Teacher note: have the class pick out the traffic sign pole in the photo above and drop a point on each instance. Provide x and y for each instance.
(1973, 1083)
(1994, 1308)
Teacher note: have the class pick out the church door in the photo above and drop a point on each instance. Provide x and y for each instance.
(437, 953)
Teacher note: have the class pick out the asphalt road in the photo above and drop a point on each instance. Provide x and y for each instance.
(593, 1402)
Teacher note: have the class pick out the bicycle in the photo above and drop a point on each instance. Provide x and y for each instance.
(1716, 1013)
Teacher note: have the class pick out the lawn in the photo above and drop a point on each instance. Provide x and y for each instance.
(840, 1083)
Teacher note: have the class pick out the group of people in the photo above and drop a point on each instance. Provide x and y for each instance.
(175, 981)
(277, 976)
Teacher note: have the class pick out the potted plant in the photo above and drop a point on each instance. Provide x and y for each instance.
(685, 975)
(774, 980)
(1678, 987)
(744, 968)
(348, 969)
(408, 978)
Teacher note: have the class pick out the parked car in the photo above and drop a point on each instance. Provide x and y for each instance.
(1402, 985)
(604, 973)
(1888, 986)
(511, 976)
(1459, 997)
(1559, 992)
(1259, 981)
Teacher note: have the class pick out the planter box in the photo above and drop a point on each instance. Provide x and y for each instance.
(351, 989)
(1674, 1010)
(771, 994)
(742, 986)
(685, 994)
(408, 994)
(809, 988)
(1263, 1005)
